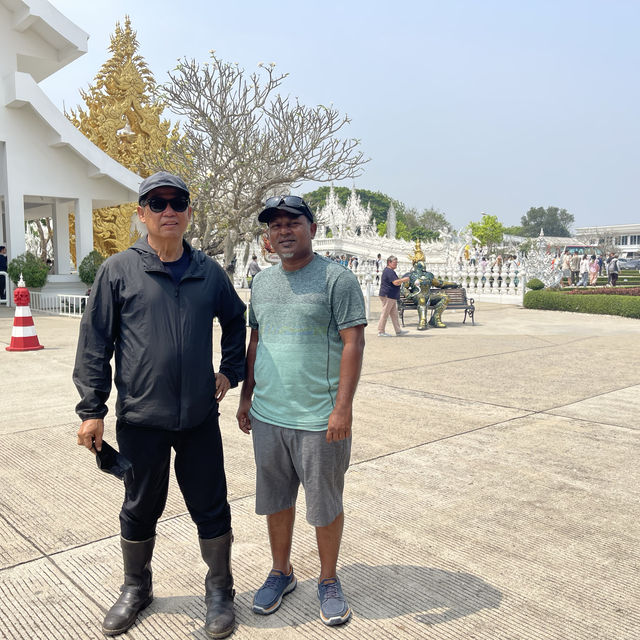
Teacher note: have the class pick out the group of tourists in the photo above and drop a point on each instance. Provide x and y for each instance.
(582, 269)
(152, 308)
(350, 262)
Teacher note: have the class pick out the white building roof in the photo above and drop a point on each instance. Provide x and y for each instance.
(61, 40)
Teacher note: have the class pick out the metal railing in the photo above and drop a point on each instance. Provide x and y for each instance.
(8, 288)
(61, 304)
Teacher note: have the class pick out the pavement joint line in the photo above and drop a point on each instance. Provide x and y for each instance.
(485, 355)
(76, 584)
(48, 557)
(528, 413)
(26, 538)
(442, 438)
(430, 394)
(74, 547)
(595, 395)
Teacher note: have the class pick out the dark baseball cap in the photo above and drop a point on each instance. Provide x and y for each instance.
(161, 179)
(294, 205)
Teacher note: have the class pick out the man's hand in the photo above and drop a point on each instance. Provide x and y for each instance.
(243, 415)
(89, 431)
(222, 386)
(339, 425)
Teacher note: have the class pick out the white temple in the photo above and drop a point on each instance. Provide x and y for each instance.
(48, 169)
(391, 222)
(346, 221)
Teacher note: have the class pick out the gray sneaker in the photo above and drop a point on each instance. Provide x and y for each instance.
(382, 334)
(402, 332)
(334, 609)
(268, 597)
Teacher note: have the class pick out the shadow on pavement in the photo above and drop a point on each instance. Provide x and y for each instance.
(435, 596)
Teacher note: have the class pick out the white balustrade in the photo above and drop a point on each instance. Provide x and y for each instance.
(59, 303)
(8, 289)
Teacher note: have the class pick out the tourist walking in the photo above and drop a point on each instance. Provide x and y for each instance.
(389, 295)
(584, 271)
(574, 265)
(613, 269)
(307, 319)
(253, 269)
(153, 306)
(378, 267)
(594, 269)
(566, 268)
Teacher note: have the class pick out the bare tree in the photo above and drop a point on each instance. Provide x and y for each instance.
(41, 233)
(244, 142)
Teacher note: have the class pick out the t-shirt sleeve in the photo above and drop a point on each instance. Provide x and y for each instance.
(347, 302)
(253, 323)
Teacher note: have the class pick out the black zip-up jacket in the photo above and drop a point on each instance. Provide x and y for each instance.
(162, 337)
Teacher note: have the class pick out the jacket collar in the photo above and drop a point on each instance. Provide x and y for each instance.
(151, 261)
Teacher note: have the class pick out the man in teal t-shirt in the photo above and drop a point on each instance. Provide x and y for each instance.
(307, 319)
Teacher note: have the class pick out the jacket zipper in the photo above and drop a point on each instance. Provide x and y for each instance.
(179, 364)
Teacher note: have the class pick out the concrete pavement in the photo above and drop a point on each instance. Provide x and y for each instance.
(493, 493)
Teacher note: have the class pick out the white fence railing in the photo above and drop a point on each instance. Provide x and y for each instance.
(59, 303)
(504, 283)
(6, 300)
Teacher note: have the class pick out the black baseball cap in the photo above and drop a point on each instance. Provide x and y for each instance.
(161, 179)
(294, 205)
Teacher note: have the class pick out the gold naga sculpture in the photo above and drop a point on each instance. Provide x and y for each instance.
(125, 121)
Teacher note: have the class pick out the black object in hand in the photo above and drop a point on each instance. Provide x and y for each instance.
(112, 461)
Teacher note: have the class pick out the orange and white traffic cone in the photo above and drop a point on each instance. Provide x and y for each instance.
(23, 335)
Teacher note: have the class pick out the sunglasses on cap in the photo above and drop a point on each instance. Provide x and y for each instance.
(158, 204)
(289, 201)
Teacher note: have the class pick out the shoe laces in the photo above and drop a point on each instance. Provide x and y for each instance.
(273, 580)
(331, 589)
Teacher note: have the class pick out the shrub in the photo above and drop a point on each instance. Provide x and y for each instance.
(89, 267)
(605, 291)
(33, 270)
(535, 284)
(627, 306)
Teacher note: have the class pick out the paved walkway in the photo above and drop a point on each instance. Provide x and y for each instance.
(493, 493)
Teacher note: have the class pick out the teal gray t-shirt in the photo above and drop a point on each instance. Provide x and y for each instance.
(299, 315)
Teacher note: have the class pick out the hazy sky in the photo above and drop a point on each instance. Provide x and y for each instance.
(468, 106)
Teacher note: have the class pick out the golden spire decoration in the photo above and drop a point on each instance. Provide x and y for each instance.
(123, 116)
(417, 255)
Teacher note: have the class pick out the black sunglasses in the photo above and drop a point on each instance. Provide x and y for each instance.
(158, 205)
(290, 201)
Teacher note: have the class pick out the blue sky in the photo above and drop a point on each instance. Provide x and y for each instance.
(468, 106)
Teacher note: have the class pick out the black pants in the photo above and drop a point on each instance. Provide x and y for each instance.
(199, 467)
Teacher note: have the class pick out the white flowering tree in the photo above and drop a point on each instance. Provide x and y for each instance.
(243, 142)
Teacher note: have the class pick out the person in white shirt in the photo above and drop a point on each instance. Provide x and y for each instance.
(584, 271)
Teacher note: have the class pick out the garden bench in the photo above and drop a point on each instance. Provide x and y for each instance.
(457, 300)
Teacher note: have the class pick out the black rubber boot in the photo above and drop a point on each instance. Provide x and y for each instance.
(137, 592)
(219, 593)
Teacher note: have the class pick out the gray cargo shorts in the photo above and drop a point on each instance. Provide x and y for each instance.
(287, 457)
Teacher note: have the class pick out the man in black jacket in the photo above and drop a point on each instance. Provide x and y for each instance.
(153, 305)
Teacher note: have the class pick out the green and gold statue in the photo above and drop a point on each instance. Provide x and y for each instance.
(419, 289)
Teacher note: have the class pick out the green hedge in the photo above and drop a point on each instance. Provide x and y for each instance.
(535, 284)
(89, 267)
(611, 305)
(31, 267)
